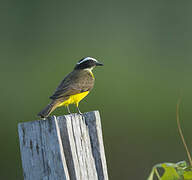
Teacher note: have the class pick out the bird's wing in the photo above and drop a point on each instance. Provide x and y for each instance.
(74, 83)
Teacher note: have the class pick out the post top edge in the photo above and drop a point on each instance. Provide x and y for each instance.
(55, 117)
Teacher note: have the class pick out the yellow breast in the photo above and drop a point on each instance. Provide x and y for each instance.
(74, 99)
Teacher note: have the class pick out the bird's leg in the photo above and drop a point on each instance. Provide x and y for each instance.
(78, 108)
(68, 109)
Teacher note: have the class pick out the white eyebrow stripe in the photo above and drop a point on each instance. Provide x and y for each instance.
(87, 58)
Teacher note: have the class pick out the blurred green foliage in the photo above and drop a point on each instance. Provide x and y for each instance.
(172, 171)
(146, 49)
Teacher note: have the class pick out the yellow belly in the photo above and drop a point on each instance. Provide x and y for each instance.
(74, 99)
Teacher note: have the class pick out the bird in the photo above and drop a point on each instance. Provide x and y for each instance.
(74, 87)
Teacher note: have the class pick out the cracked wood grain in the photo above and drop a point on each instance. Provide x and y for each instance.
(64, 148)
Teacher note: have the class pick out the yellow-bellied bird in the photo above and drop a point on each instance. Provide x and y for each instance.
(74, 87)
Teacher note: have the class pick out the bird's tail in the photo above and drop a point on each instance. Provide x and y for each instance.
(48, 109)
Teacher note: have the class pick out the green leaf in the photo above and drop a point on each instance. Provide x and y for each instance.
(170, 173)
(187, 175)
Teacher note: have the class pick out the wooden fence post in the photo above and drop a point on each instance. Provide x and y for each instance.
(64, 148)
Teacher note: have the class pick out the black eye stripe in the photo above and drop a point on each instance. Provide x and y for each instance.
(86, 59)
(85, 64)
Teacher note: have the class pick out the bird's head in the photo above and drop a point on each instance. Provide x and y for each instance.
(87, 63)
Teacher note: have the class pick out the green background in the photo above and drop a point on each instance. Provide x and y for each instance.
(146, 49)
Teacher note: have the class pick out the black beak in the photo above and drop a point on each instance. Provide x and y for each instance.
(99, 64)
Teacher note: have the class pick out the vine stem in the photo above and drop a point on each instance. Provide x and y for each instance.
(157, 174)
(181, 133)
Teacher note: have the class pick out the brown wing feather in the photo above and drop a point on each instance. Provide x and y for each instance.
(76, 82)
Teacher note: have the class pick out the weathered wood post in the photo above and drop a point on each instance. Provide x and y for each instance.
(64, 148)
